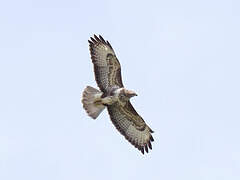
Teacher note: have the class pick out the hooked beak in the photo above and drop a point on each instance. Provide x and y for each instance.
(131, 93)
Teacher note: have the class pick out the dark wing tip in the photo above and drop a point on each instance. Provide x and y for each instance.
(95, 36)
(90, 43)
(109, 44)
(146, 148)
(93, 40)
(151, 138)
(141, 147)
(150, 145)
(98, 39)
(151, 131)
(103, 40)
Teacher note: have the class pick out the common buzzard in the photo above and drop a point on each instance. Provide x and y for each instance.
(114, 96)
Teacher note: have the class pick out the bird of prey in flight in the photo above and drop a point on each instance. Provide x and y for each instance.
(114, 96)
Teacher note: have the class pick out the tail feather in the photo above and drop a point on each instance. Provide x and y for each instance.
(91, 100)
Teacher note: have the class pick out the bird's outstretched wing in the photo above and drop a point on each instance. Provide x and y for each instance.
(107, 68)
(131, 125)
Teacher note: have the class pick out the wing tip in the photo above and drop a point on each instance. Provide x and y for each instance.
(98, 40)
(143, 148)
(146, 148)
(151, 138)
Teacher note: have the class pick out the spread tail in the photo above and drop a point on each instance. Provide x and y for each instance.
(91, 100)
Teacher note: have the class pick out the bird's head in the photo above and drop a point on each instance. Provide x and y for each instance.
(126, 94)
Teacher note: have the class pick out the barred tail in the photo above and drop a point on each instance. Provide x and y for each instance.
(91, 100)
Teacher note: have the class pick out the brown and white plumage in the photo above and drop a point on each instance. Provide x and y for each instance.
(114, 96)
(107, 68)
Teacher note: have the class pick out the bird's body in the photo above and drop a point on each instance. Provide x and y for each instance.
(114, 96)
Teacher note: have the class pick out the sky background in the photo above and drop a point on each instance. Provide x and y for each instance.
(181, 57)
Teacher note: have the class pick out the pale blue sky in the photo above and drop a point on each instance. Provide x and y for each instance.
(181, 57)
